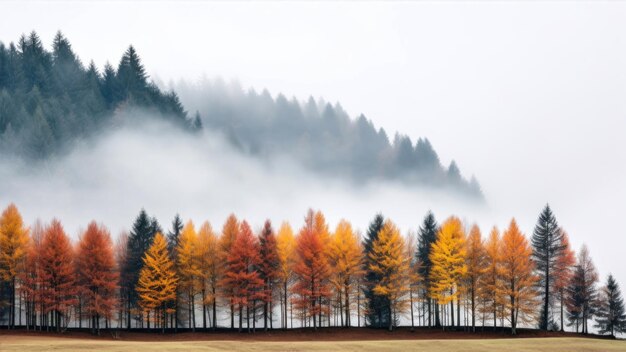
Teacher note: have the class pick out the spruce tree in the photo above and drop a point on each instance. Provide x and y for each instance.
(377, 306)
(547, 247)
(140, 239)
(427, 235)
(611, 314)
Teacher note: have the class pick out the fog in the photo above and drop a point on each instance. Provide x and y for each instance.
(529, 97)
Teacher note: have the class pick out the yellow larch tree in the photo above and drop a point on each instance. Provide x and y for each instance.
(188, 270)
(491, 293)
(389, 260)
(346, 259)
(519, 281)
(448, 263)
(476, 260)
(286, 248)
(210, 271)
(157, 280)
(13, 249)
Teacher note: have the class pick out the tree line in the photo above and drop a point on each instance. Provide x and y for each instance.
(321, 135)
(49, 98)
(445, 276)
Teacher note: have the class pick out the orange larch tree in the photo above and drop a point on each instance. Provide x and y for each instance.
(58, 284)
(230, 231)
(241, 274)
(519, 281)
(187, 268)
(13, 248)
(312, 271)
(96, 274)
(476, 260)
(565, 263)
(268, 270)
(31, 276)
(210, 271)
(491, 293)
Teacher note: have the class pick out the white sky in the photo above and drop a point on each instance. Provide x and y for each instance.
(530, 97)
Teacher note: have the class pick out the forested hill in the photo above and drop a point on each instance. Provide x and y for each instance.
(320, 135)
(50, 98)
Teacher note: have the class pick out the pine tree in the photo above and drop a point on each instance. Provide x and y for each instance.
(378, 308)
(13, 249)
(611, 314)
(140, 239)
(58, 293)
(96, 274)
(389, 260)
(448, 264)
(157, 281)
(427, 235)
(268, 270)
(519, 281)
(547, 245)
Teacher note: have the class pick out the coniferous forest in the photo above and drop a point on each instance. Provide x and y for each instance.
(199, 277)
(50, 100)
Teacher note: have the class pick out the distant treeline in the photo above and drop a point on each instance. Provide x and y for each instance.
(50, 98)
(447, 276)
(322, 136)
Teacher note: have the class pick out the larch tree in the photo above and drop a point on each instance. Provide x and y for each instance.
(346, 259)
(519, 281)
(611, 314)
(427, 235)
(230, 231)
(377, 307)
(173, 240)
(97, 274)
(31, 277)
(157, 281)
(58, 289)
(492, 288)
(476, 262)
(286, 251)
(210, 271)
(187, 268)
(312, 271)
(582, 292)
(13, 248)
(563, 274)
(547, 248)
(268, 270)
(241, 273)
(448, 263)
(389, 260)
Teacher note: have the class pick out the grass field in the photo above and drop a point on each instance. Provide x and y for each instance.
(559, 344)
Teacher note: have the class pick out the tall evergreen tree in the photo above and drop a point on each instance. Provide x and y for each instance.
(427, 235)
(378, 307)
(611, 314)
(140, 239)
(547, 245)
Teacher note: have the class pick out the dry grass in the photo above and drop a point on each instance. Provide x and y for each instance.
(560, 344)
